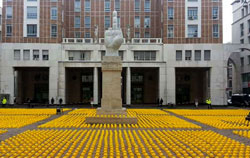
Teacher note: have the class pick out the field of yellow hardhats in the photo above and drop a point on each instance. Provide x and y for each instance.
(2, 131)
(221, 119)
(243, 133)
(122, 143)
(147, 118)
(158, 134)
(16, 118)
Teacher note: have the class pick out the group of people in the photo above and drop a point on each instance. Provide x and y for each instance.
(160, 102)
(52, 101)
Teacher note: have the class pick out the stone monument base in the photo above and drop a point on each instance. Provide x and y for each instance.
(102, 111)
(111, 120)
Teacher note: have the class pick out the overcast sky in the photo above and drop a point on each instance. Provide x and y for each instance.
(227, 20)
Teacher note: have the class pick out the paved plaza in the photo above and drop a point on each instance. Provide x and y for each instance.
(159, 133)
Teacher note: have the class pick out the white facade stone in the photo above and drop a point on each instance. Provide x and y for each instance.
(165, 61)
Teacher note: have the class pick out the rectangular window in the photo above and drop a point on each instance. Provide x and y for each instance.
(249, 39)
(87, 6)
(242, 12)
(178, 55)
(77, 6)
(197, 55)
(35, 54)
(0, 19)
(207, 55)
(170, 13)
(192, 31)
(192, 13)
(26, 55)
(9, 12)
(87, 22)
(107, 5)
(45, 54)
(246, 8)
(147, 22)
(215, 30)
(117, 5)
(147, 7)
(87, 35)
(144, 55)
(188, 55)
(137, 5)
(248, 59)
(242, 29)
(77, 35)
(107, 22)
(53, 13)
(17, 55)
(31, 30)
(215, 13)
(170, 31)
(8, 30)
(31, 12)
(248, 26)
(137, 22)
(242, 41)
(242, 61)
(147, 35)
(53, 30)
(77, 22)
(137, 34)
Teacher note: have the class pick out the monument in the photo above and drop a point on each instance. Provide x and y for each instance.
(111, 103)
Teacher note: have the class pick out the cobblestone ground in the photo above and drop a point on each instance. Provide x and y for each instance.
(159, 133)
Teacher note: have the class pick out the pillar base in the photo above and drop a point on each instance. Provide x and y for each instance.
(102, 111)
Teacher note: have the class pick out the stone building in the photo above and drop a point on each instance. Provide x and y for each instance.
(241, 36)
(172, 50)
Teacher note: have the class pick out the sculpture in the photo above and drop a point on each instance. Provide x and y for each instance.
(128, 34)
(113, 38)
(96, 33)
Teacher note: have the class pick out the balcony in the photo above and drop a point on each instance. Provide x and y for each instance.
(78, 40)
(146, 41)
(101, 41)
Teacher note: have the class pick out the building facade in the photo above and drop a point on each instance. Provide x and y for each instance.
(172, 50)
(241, 36)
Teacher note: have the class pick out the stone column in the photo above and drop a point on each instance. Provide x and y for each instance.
(171, 87)
(61, 83)
(128, 86)
(217, 85)
(111, 86)
(162, 84)
(53, 78)
(95, 73)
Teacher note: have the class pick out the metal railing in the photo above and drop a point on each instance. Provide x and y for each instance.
(101, 40)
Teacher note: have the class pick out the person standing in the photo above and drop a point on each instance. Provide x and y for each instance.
(161, 102)
(196, 103)
(60, 101)
(208, 101)
(4, 101)
(52, 100)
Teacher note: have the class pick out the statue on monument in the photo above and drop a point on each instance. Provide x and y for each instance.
(128, 34)
(113, 38)
(96, 33)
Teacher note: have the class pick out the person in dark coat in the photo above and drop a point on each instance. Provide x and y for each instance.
(52, 100)
(60, 101)
(161, 102)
